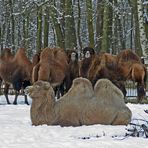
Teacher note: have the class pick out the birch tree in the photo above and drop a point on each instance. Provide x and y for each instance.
(136, 26)
(143, 39)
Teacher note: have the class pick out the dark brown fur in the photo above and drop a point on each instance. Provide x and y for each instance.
(130, 67)
(73, 66)
(17, 71)
(104, 65)
(128, 55)
(86, 62)
(6, 56)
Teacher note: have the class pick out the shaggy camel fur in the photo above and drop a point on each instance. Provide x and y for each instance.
(6, 56)
(128, 55)
(88, 56)
(16, 70)
(130, 67)
(81, 105)
(52, 67)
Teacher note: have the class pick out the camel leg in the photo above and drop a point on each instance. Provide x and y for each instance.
(16, 95)
(6, 88)
(57, 92)
(26, 100)
(140, 92)
(1, 81)
(62, 91)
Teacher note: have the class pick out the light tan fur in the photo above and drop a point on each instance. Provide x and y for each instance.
(81, 105)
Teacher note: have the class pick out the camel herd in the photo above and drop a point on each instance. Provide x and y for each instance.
(60, 68)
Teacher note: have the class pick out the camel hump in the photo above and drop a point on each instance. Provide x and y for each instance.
(21, 57)
(81, 80)
(106, 88)
(20, 51)
(7, 54)
(128, 55)
(81, 89)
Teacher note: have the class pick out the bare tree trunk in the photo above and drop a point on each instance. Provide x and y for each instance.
(136, 26)
(79, 25)
(90, 22)
(57, 25)
(143, 39)
(39, 28)
(46, 26)
(99, 24)
(107, 28)
(0, 38)
(70, 32)
(12, 25)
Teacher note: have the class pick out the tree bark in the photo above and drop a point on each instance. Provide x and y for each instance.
(79, 25)
(99, 24)
(57, 25)
(39, 28)
(90, 22)
(70, 32)
(143, 39)
(107, 28)
(46, 26)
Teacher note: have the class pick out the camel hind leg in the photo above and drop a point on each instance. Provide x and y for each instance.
(6, 89)
(138, 75)
(16, 95)
(140, 92)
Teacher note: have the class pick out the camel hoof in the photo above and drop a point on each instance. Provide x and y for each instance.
(14, 103)
(27, 103)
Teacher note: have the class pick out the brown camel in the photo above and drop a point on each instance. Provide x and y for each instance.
(130, 67)
(16, 71)
(52, 67)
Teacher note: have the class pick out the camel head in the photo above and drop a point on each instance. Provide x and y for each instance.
(40, 89)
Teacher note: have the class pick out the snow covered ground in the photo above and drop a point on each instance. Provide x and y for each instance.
(16, 131)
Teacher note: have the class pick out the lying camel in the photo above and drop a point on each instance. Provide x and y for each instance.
(81, 105)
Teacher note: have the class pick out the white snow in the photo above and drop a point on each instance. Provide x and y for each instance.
(16, 131)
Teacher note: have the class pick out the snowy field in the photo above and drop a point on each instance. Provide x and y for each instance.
(16, 131)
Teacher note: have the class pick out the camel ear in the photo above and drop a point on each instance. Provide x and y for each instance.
(47, 85)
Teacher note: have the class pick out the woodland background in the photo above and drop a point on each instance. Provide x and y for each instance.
(105, 25)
